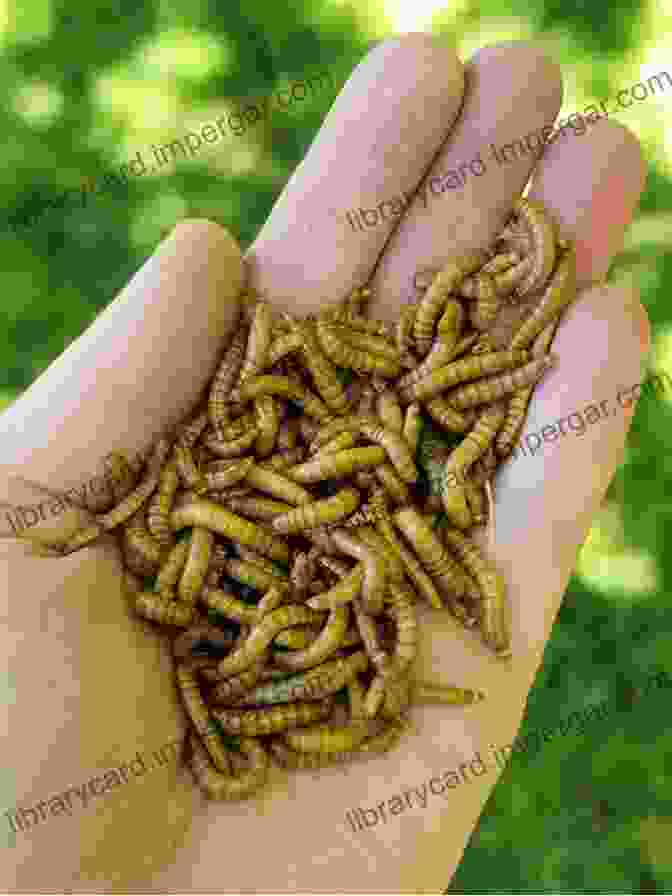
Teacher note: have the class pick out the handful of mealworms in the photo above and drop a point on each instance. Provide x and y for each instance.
(290, 528)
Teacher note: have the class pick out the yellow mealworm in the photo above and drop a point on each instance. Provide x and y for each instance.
(121, 476)
(339, 443)
(285, 387)
(211, 516)
(267, 411)
(258, 508)
(335, 342)
(487, 303)
(273, 719)
(296, 638)
(160, 609)
(445, 571)
(258, 342)
(413, 567)
(429, 693)
(315, 684)
(502, 261)
(321, 368)
(302, 573)
(184, 644)
(328, 738)
(218, 557)
(365, 336)
(466, 369)
(232, 688)
(342, 593)
(197, 711)
(288, 435)
(251, 556)
(280, 487)
(476, 442)
(273, 598)
(395, 568)
(141, 551)
(198, 560)
(412, 427)
(395, 447)
(356, 694)
(434, 300)
(262, 635)
(170, 572)
(441, 353)
(318, 513)
(493, 388)
(230, 606)
(282, 345)
(366, 625)
(448, 418)
(536, 220)
(336, 566)
(189, 473)
(375, 568)
(559, 293)
(226, 377)
(253, 575)
(336, 465)
(160, 506)
(491, 584)
(374, 697)
(476, 503)
(233, 448)
(328, 641)
(389, 411)
(135, 499)
(404, 329)
(221, 474)
(515, 419)
(400, 606)
(397, 697)
(507, 281)
(219, 786)
(189, 432)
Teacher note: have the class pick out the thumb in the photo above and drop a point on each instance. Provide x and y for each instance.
(137, 369)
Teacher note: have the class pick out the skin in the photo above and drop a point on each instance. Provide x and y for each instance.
(160, 834)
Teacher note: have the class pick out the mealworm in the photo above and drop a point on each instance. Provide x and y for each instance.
(284, 387)
(262, 635)
(160, 609)
(395, 447)
(296, 638)
(451, 324)
(258, 342)
(233, 448)
(288, 435)
(273, 719)
(397, 698)
(169, 574)
(196, 566)
(135, 499)
(274, 597)
(284, 344)
(189, 474)
(434, 300)
(267, 412)
(160, 506)
(541, 229)
(329, 738)
(559, 293)
(122, 478)
(318, 513)
(141, 551)
(493, 388)
(234, 687)
(507, 281)
(471, 368)
(336, 465)
(189, 432)
(475, 503)
(413, 567)
(211, 516)
(429, 693)
(258, 508)
(488, 302)
(252, 575)
(502, 261)
(327, 642)
(315, 684)
(395, 568)
(342, 352)
(342, 593)
(491, 584)
(476, 442)
(280, 487)
(226, 376)
(441, 353)
(514, 420)
(412, 427)
(448, 418)
(374, 697)
(229, 605)
(404, 328)
(184, 643)
(221, 474)
(400, 606)
(251, 556)
(441, 567)
(197, 711)
(368, 631)
(389, 411)
(321, 368)
(374, 566)
(219, 786)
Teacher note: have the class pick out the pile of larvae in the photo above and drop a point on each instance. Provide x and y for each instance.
(284, 534)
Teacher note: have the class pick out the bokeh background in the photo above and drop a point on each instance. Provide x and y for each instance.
(86, 85)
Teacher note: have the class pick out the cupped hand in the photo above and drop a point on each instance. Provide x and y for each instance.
(89, 685)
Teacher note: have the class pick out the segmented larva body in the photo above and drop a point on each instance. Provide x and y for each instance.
(284, 387)
(441, 353)
(404, 328)
(264, 633)
(329, 738)
(515, 417)
(493, 589)
(559, 293)
(343, 592)
(189, 432)
(161, 504)
(196, 566)
(394, 445)
(368, 631)
(318, 513)
(187, 469)
(141, 551)
(273, 719)
(445, 571)
(341, 442)
(232, 688)
(428, 693)
(297, 638)
(197, 711)
(337, 464)
(541, 229)
(493, 388)
(253, 575)
(321, 368)
(448, 418)
(397, 698)
(160, 609)
(265, 509)
(302, 573)
(471, 368)
(434, 300)
(211, 516)
(500, 262)
(184, 643)
(274, 597)
(375, 541)
(412, 427)
(451, 323)
(277, 485)
(476, 503)
(328, 642)
(374, 697)
(221, 474)
(226, 377)
(488, 302)
(401, 607)
(120, 475)
(476, 442)
(267, 411)
(282, 345)
(315, 684)
(375, 569)
(344, 354)
(230, 606)
(234, 447)
(389, 411)
(413, 567)
(507, 281)
(258, 342)
(170, 572)
(219, 786)
(135, 499)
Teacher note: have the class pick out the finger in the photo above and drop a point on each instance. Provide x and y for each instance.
(513, 92)
(390, 119)
(136, 369)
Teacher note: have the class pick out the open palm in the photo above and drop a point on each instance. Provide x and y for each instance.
(92, 685)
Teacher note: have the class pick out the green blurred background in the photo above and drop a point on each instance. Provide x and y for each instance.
(86, 86)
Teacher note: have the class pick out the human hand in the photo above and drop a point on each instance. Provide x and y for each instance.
(114, 389)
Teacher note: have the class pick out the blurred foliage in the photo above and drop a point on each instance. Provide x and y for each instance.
(89, 85)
